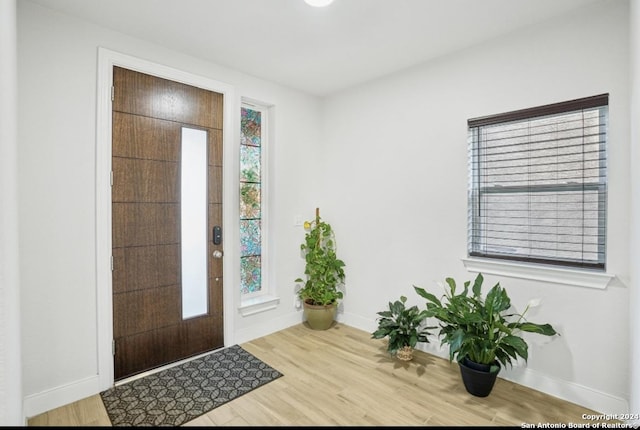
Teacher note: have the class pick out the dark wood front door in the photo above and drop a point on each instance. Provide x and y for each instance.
(149, 115)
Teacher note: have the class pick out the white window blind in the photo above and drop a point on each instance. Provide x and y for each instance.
(538, 184)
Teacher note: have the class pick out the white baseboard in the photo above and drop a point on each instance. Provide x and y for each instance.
(633, 423)
(39, 403)
(356, 321)
(570, 391)
(259, 330)
(45, 401)
(584, 396)
(596, 400)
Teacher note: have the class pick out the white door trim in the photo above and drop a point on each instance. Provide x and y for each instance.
(106, 60)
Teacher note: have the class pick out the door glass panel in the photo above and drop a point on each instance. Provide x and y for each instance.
(193, 219)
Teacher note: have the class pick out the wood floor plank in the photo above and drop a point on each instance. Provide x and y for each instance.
(343, 377)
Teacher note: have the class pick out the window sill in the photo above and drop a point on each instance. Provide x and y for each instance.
(259, 304)
(564, 276)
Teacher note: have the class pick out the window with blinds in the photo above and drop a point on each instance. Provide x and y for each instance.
(538, 184)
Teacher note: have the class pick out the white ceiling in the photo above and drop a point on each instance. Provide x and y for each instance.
(316, 50)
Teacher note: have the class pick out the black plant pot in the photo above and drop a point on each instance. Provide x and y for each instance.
(478, 378)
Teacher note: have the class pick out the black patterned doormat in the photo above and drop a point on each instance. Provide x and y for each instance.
(181, 393)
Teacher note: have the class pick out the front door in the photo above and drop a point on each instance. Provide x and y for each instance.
(167, 221)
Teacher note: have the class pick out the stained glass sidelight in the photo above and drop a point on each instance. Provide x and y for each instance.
(251, 127)
(250, 201)
(250, 274)
(250, 237)
(249, 163)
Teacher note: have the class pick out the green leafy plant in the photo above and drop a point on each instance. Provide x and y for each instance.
(481, 329)
(323, 269)
(402, 325)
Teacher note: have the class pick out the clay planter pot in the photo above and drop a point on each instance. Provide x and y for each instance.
(320, 317)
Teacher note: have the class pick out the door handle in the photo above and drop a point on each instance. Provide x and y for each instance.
(217, 254)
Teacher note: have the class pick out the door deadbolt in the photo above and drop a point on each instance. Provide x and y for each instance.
(217, 235)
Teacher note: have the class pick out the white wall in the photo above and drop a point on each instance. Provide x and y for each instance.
(634, 307)
(395, 189)
(10, 368)
(393, 153)
(57, 65)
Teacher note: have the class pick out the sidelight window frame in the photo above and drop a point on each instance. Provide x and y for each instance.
(265, 299)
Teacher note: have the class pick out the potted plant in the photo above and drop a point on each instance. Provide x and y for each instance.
(483, 336)
(324, 272)
(404, 327)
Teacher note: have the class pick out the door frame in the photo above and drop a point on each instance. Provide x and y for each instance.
(104, 287)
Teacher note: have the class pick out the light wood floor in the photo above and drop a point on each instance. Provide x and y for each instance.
(342, 377)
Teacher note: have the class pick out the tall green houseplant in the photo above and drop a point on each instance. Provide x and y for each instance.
(324, 271)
